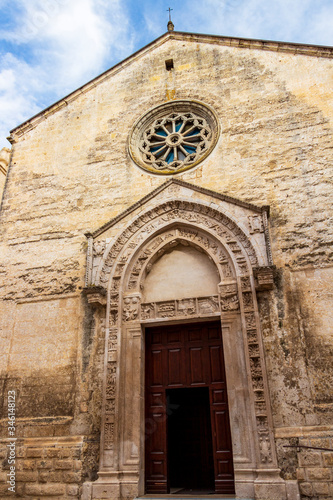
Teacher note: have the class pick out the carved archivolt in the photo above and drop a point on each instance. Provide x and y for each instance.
(127, 261)
(193, 215)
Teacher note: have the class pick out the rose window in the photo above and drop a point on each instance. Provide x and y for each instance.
(175, 141)
(174, 137)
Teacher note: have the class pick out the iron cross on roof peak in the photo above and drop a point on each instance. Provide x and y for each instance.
(170, 23)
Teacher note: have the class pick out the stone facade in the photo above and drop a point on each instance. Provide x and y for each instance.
(4, 161)
(86, 236)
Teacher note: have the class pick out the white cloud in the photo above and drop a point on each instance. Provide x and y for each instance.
(58, 45)
(304, 21)
(69, 42)
(17, 88)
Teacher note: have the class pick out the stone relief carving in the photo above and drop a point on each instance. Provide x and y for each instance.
(252, 336)
(198, 306)
(242, 265)
(264, 277)
(250, 321)
(256, 224)
(110, 390)
(246, 283)
(114, 300)
(229, 297)
(254, 351)
(208, 305)
(112, 340)
(163, 242)
(148, 311)
(265, 449)
(173, 189)
(95, 295)
(166, 309)
(109, 436)
(265, 444)
(247, 301)
(258, 384)
(99, 248)
(131, 308)
(204, 216)
(222, 233)
(110, 406)
(186, 307)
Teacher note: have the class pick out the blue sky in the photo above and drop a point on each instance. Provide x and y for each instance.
(48, 48)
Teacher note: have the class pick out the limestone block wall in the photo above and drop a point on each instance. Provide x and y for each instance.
(311, 463)
(71, 172)
(4, 161)
(49, 467)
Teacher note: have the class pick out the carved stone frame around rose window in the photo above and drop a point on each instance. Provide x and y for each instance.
(235, 237)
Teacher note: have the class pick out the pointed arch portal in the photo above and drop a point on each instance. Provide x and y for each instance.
(163, 338)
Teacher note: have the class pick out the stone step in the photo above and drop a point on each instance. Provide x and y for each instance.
(190, 497)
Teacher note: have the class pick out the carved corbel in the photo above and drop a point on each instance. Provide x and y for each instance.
(264, 277)
(96, 295)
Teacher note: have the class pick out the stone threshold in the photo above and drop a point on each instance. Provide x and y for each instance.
(192, 497)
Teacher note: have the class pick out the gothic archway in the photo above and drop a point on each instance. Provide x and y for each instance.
(123, 264)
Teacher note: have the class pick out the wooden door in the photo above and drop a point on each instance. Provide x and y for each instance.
(179, 357)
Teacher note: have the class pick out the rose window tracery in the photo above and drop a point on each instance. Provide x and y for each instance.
(174, 141)
(174, 137)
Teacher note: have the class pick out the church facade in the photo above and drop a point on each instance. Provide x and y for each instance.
(166, 242)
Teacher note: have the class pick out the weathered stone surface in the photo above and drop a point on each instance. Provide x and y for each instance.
(73, 490)
(318, 473)
(4, 161)
(320, 489)
(310, 458)
(45, 489)
(34, 452)
(72, 173)
(306, 489)
(328, 459)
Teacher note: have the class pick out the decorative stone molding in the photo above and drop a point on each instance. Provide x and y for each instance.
(256, 224)
(174, 137)
(183, 308)
(163, 242)
(110, 392)
(131, 308)
(264, 277)
(96, 295)
(229, 296)
(124, 261)
(191, 214)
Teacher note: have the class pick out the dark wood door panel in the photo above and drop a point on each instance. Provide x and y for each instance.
(219, 396)
(173, 337)
(197, 357)
(180, 358)
(174, 370)
(214, 332)
(216, 364)
(221, 421)
(156, 371)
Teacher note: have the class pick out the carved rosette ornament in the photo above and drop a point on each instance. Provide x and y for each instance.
(174, 137)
